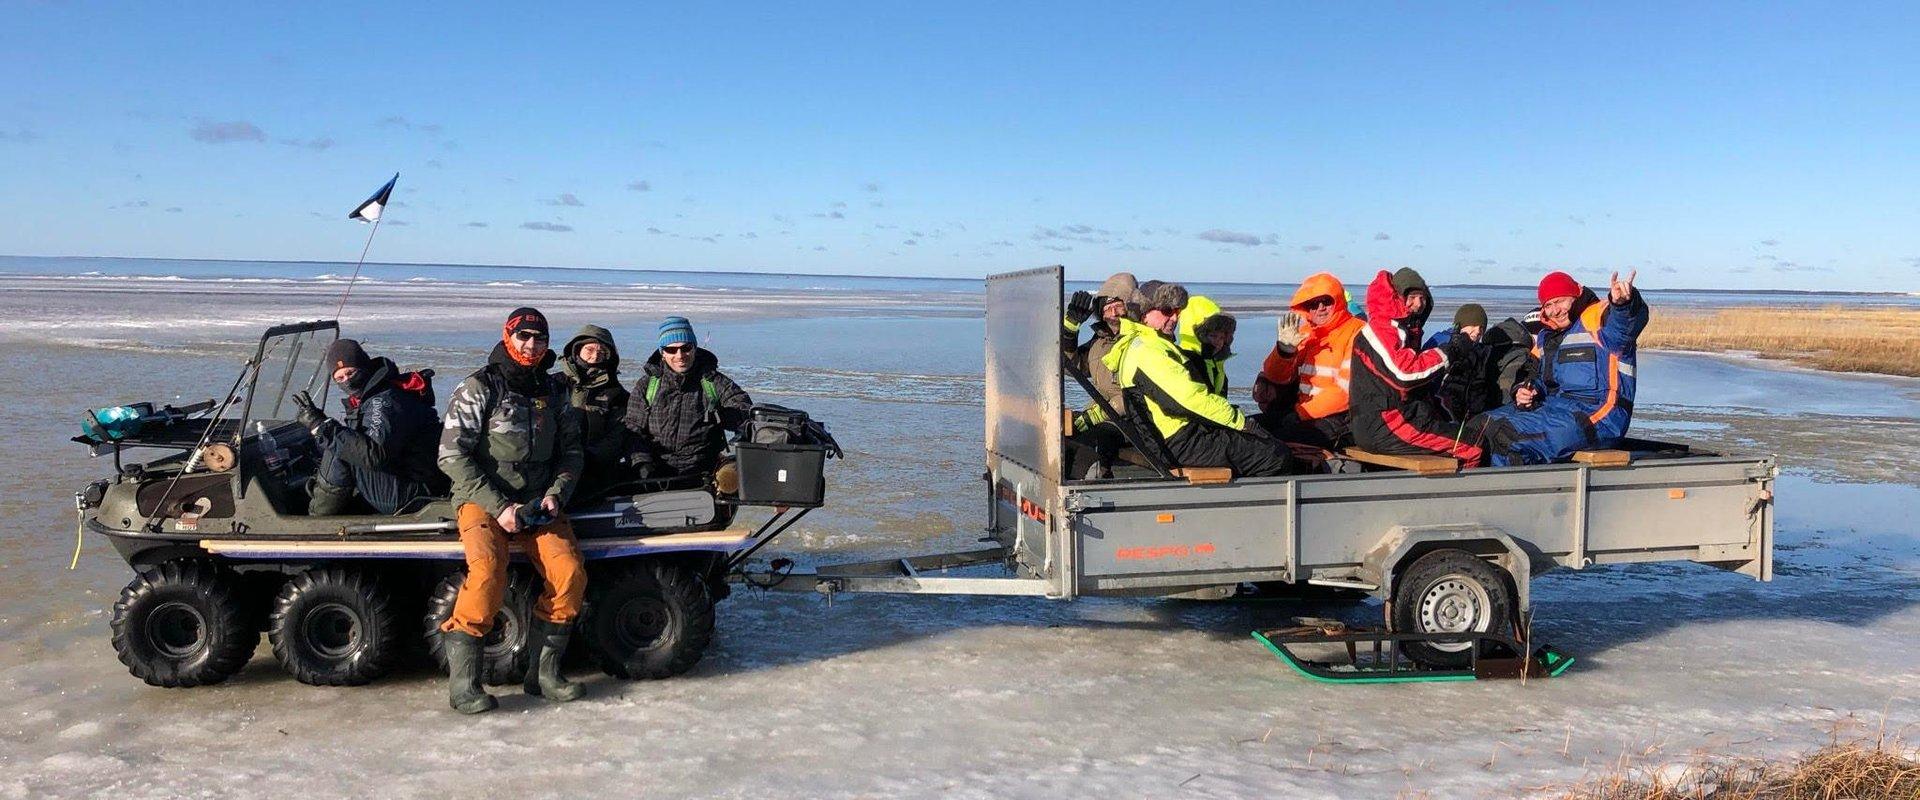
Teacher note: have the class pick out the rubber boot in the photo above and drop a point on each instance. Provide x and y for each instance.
(463, 674)
(328, 500)
(546, 646)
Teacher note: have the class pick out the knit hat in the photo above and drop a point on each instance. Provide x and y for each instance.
(1470, 315)
(345, 353)
(1558, 284)
(524, 319)
(1164, 296)
(1407, 280)
(677, 330)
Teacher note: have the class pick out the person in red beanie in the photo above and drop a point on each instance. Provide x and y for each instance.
(1579, 394)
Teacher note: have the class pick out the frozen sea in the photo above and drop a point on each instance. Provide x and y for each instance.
(914, 696)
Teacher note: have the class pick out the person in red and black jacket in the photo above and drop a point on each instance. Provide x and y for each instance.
(385, 451)
(1394, 381)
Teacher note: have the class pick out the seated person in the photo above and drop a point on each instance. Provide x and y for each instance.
(1509, 348)
(384, 451)
(1118, 297)
(1200, 428)
(1467, 387)
(1393, 405)
(590, 372)
(1302, 387)
(1579, 395)
(1206, 333)
(679, 414)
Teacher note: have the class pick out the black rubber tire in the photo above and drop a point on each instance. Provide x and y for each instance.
(503, 658)
(335, 627)
(648, 619)
(1463, 581)
(183, 623)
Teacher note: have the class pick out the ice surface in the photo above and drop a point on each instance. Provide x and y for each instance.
(973, 698)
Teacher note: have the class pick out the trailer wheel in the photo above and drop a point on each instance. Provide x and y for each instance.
(334, 627)
(1450, 591)
(182, 624)
(503, 654)
(648, 620)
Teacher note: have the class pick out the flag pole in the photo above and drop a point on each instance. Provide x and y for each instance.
(356, 270)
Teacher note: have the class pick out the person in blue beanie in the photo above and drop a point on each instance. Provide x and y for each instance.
(682, 407)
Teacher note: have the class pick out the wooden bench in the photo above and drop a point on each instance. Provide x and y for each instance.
(1424, 465)
(1603, 458)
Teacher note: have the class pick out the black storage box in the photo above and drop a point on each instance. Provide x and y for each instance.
(782, 474)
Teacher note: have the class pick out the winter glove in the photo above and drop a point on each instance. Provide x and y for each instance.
(1290, 334)
(311, 417)
(1250, 426)
(1079, 308)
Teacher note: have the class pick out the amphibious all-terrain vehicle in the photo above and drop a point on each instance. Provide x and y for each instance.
(218, 533)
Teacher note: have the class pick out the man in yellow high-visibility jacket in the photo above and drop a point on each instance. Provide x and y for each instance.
(1200, 428)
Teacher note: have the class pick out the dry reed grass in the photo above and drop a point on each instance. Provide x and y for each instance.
(1882, 768)
(1883, 340)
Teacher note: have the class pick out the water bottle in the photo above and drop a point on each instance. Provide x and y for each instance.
(270, 449)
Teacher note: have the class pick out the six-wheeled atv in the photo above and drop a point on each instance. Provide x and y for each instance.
(218, 534)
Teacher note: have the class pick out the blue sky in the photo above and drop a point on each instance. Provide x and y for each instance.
(1705, 145)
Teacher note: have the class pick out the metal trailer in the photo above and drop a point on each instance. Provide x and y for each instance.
(1452, 553)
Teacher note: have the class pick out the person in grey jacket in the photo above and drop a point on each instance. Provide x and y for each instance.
(680, 410)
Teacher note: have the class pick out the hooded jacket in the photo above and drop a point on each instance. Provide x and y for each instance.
(595, 392)
(681, 420)
(1206, 366)
(390, 425)
(1321, 366)
(1394, 380)
(510, 436)
(1147, 363)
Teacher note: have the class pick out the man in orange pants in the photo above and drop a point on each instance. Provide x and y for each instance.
(512, 447)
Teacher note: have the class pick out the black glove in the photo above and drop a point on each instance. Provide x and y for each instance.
(310, 414)
(1080, 307)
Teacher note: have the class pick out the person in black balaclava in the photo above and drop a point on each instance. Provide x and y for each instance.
(590, 371)
(383, 450)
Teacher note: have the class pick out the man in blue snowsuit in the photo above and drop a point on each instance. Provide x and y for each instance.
(1580, 392)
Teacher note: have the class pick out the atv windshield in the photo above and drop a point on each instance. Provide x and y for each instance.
(290, 359)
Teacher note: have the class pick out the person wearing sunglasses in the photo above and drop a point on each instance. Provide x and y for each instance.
(512, 447)
(680, 410)
(1303, 386)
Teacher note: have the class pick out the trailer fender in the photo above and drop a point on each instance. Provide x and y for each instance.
(1402, 544)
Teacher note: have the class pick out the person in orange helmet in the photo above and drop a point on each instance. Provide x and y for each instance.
(1302, 387)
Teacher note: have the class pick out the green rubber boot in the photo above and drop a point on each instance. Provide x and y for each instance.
(546, 646)
(463, 674)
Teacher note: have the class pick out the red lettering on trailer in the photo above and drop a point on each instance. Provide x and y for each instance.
(1155, 552)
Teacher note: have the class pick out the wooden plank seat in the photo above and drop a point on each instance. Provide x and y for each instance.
(1195, 476)
(1603, 458)
(1424, 465)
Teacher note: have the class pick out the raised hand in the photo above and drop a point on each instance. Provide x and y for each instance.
(1619, 291)
(1080, 307)
(1289, 334)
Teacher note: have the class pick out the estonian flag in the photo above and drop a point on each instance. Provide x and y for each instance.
(370, 211)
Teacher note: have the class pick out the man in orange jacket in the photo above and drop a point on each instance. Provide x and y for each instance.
(1303, 386)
